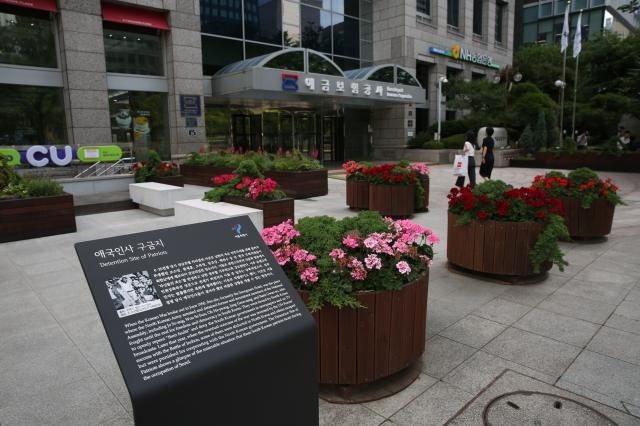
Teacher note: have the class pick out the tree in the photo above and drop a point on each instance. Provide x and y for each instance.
(540, 132)
(526, 140)
(631, 7)
(541, 65)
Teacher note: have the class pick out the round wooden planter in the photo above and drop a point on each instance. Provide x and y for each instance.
(392, 200)
(358, 346)
(593, 222)
(425, 186)
(492, 247)
(358, 194)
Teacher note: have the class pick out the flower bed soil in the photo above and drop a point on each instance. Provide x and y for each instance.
(593, 222)
(392, 200)
(493, 247)
(358, 346)
(21, 219)
(274, 212)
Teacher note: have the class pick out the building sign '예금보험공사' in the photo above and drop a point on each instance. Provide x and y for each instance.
(462, 54)
(357, 88)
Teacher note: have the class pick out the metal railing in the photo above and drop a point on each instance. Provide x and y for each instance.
(122, 166)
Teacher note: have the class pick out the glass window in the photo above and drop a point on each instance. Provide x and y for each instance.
(346, 36)
(560, 6)
(218, 52)
(263, 21)
(579, 4)
(346, 63)
(530, 33)
(293, 61)
(26, 38)
(217, 126)
(529, 14)
(319, 65)
(291, 24)
(31, 115)
(222, 17)
(255, 49)
(138, 121)
(383, 74)
(405, 78)
(595, 3)
(424, 6)
(132, 51)
(351, 7)
(422, 74)
(453, 12)
(546, 9)
(477, 16)
(596, 22)
(316, 29)
(500, 13)
(325, 4)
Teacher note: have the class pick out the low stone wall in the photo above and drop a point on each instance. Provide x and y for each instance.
(441, 156)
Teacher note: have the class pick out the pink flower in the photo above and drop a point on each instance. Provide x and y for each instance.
(403, 267)
(300, 255)
(337, 253)
(281, 256)
(279, 234)
(309, 275)
(359, 274)
(433, 238)
(350, 241)
(420, 168)
(373, 262)
(354, 263)
(401, 247)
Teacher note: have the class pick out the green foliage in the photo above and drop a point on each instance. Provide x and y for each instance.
(7, 174)
(546, 248)
(540, 132)
(526, 140)
(291, 161)
(419, 140)
(433, 145)
(295, 162)
(569, 145)
(248, 168)
(12, 185)
(454, 141)
(541, 65)
(42, 187)
(631, 7)
(14, 190)
(493, 189)
(448, 128)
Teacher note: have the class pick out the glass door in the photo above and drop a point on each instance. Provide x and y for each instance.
(305, 131)
(329, 138)
(241, 128)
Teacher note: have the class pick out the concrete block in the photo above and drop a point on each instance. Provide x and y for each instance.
(194, 211)
(155, 197)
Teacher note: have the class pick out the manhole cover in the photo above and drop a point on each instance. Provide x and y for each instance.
(541, 409)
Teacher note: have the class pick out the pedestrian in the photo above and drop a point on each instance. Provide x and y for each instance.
(624, 142)
(583, 140)
(469, 151)
(486, 167)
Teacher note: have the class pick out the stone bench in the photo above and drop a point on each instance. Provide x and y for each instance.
(156, 198)
(194, 211)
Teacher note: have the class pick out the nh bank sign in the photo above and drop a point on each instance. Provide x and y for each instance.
(461, 54)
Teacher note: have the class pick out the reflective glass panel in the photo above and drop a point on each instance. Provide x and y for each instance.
(560, 6)
(546, 9)
(346, 36)
(383, 74)
(222, 17)
(530, 14)
(291, 35)
(31, 115)
(453, 12)
(293, 61)
(255, 49)
(346, 63)
(477, 16)
(579, 4)
(500, 12)
(423, 6)
(218, 52)
(325, 4)
(26, 38)
(348, 7)
(366, 10)
(406, 78)
(319, 65)
(132, 50)
(530, 33)
(263, 21)
(316, 29)
(218, 126)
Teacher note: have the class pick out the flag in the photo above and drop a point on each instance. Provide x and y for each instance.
(577, 38)
(564, 41)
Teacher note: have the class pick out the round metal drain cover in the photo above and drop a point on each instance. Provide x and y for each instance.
(541, 409)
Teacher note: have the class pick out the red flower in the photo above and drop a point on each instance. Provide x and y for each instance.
(540, 214)
(483, 198)
(482, 215)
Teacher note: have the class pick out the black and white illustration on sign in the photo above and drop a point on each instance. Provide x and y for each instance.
(133, 293)
(190, 306)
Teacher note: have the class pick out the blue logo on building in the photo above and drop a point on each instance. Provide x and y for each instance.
(289, 82)
(237, 227)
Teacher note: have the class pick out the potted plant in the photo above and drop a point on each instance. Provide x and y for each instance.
(392, 189)
(501, 230)
(32, 207)
(589, 201)
(156, 170)
(246, 186)
(365, 281)
(422, 197)
(357, 184)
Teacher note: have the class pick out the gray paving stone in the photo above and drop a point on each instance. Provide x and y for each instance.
(21, 312)
(433, 407)
(477, 372)
(634, 294)
(604, 291)
(617, 344)
(440, 316)
(577, 307)
(502, 311)
(606, 375)
(387, 407)
(443, 355)
(623, 323)
(12, 284)
(537, 352)
(525, 295)
(634, 410)
(473, 331)
(591, 394)
(565, 329)
(629, 309)
(347, 414)
(119, 421)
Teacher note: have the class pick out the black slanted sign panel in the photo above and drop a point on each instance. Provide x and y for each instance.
(205, 326)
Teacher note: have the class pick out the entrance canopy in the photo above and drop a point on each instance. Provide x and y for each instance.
(304, 74)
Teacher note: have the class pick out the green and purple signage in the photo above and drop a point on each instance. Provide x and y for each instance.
(42, 156)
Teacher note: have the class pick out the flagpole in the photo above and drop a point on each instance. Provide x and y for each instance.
(577, 47)
(564, 74)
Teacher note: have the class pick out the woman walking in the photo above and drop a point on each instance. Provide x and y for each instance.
(469, 151)
(487, 154)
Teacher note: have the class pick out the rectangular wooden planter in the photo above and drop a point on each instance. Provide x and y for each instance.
(274, 212)
(201, 175)
(301, 184)
(358, 194)
(169, 180)
(21, 219)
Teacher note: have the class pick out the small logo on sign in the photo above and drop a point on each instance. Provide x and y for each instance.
(237, 228)
(289, 82)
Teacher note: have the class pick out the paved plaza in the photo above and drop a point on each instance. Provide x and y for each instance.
(578, 331)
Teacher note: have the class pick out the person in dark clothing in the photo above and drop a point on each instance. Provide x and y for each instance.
(486, 167)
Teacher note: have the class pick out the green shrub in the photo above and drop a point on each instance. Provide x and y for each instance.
(42, 187)
(7, 174)
(433, 145)
(449, 128)
(419, 140)
(540, 136)
(454, 142)
(248, 168)
(526, 140)
(569, 145)
(295, 161)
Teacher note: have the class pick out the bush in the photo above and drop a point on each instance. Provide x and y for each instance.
(526, 140)
(540, 132)
(12, 185)
(295, 161)
(454, 142)
(433, 145)
(419, 140)
(42, 187)
(569, 145)
(449, 128)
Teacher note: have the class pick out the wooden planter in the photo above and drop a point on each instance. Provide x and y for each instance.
(392, 200)
(274, 212)
(201, 175)
(627, 162)
(169, 180)
(302, 184)
(21, 219)
(492, 247)
(425, 186)
(358, 194)
(593, 222)
(358, 346)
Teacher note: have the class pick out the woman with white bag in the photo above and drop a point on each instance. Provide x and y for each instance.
(469, 152)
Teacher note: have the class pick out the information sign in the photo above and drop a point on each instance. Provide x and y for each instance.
(190, 106)
(205, 326)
